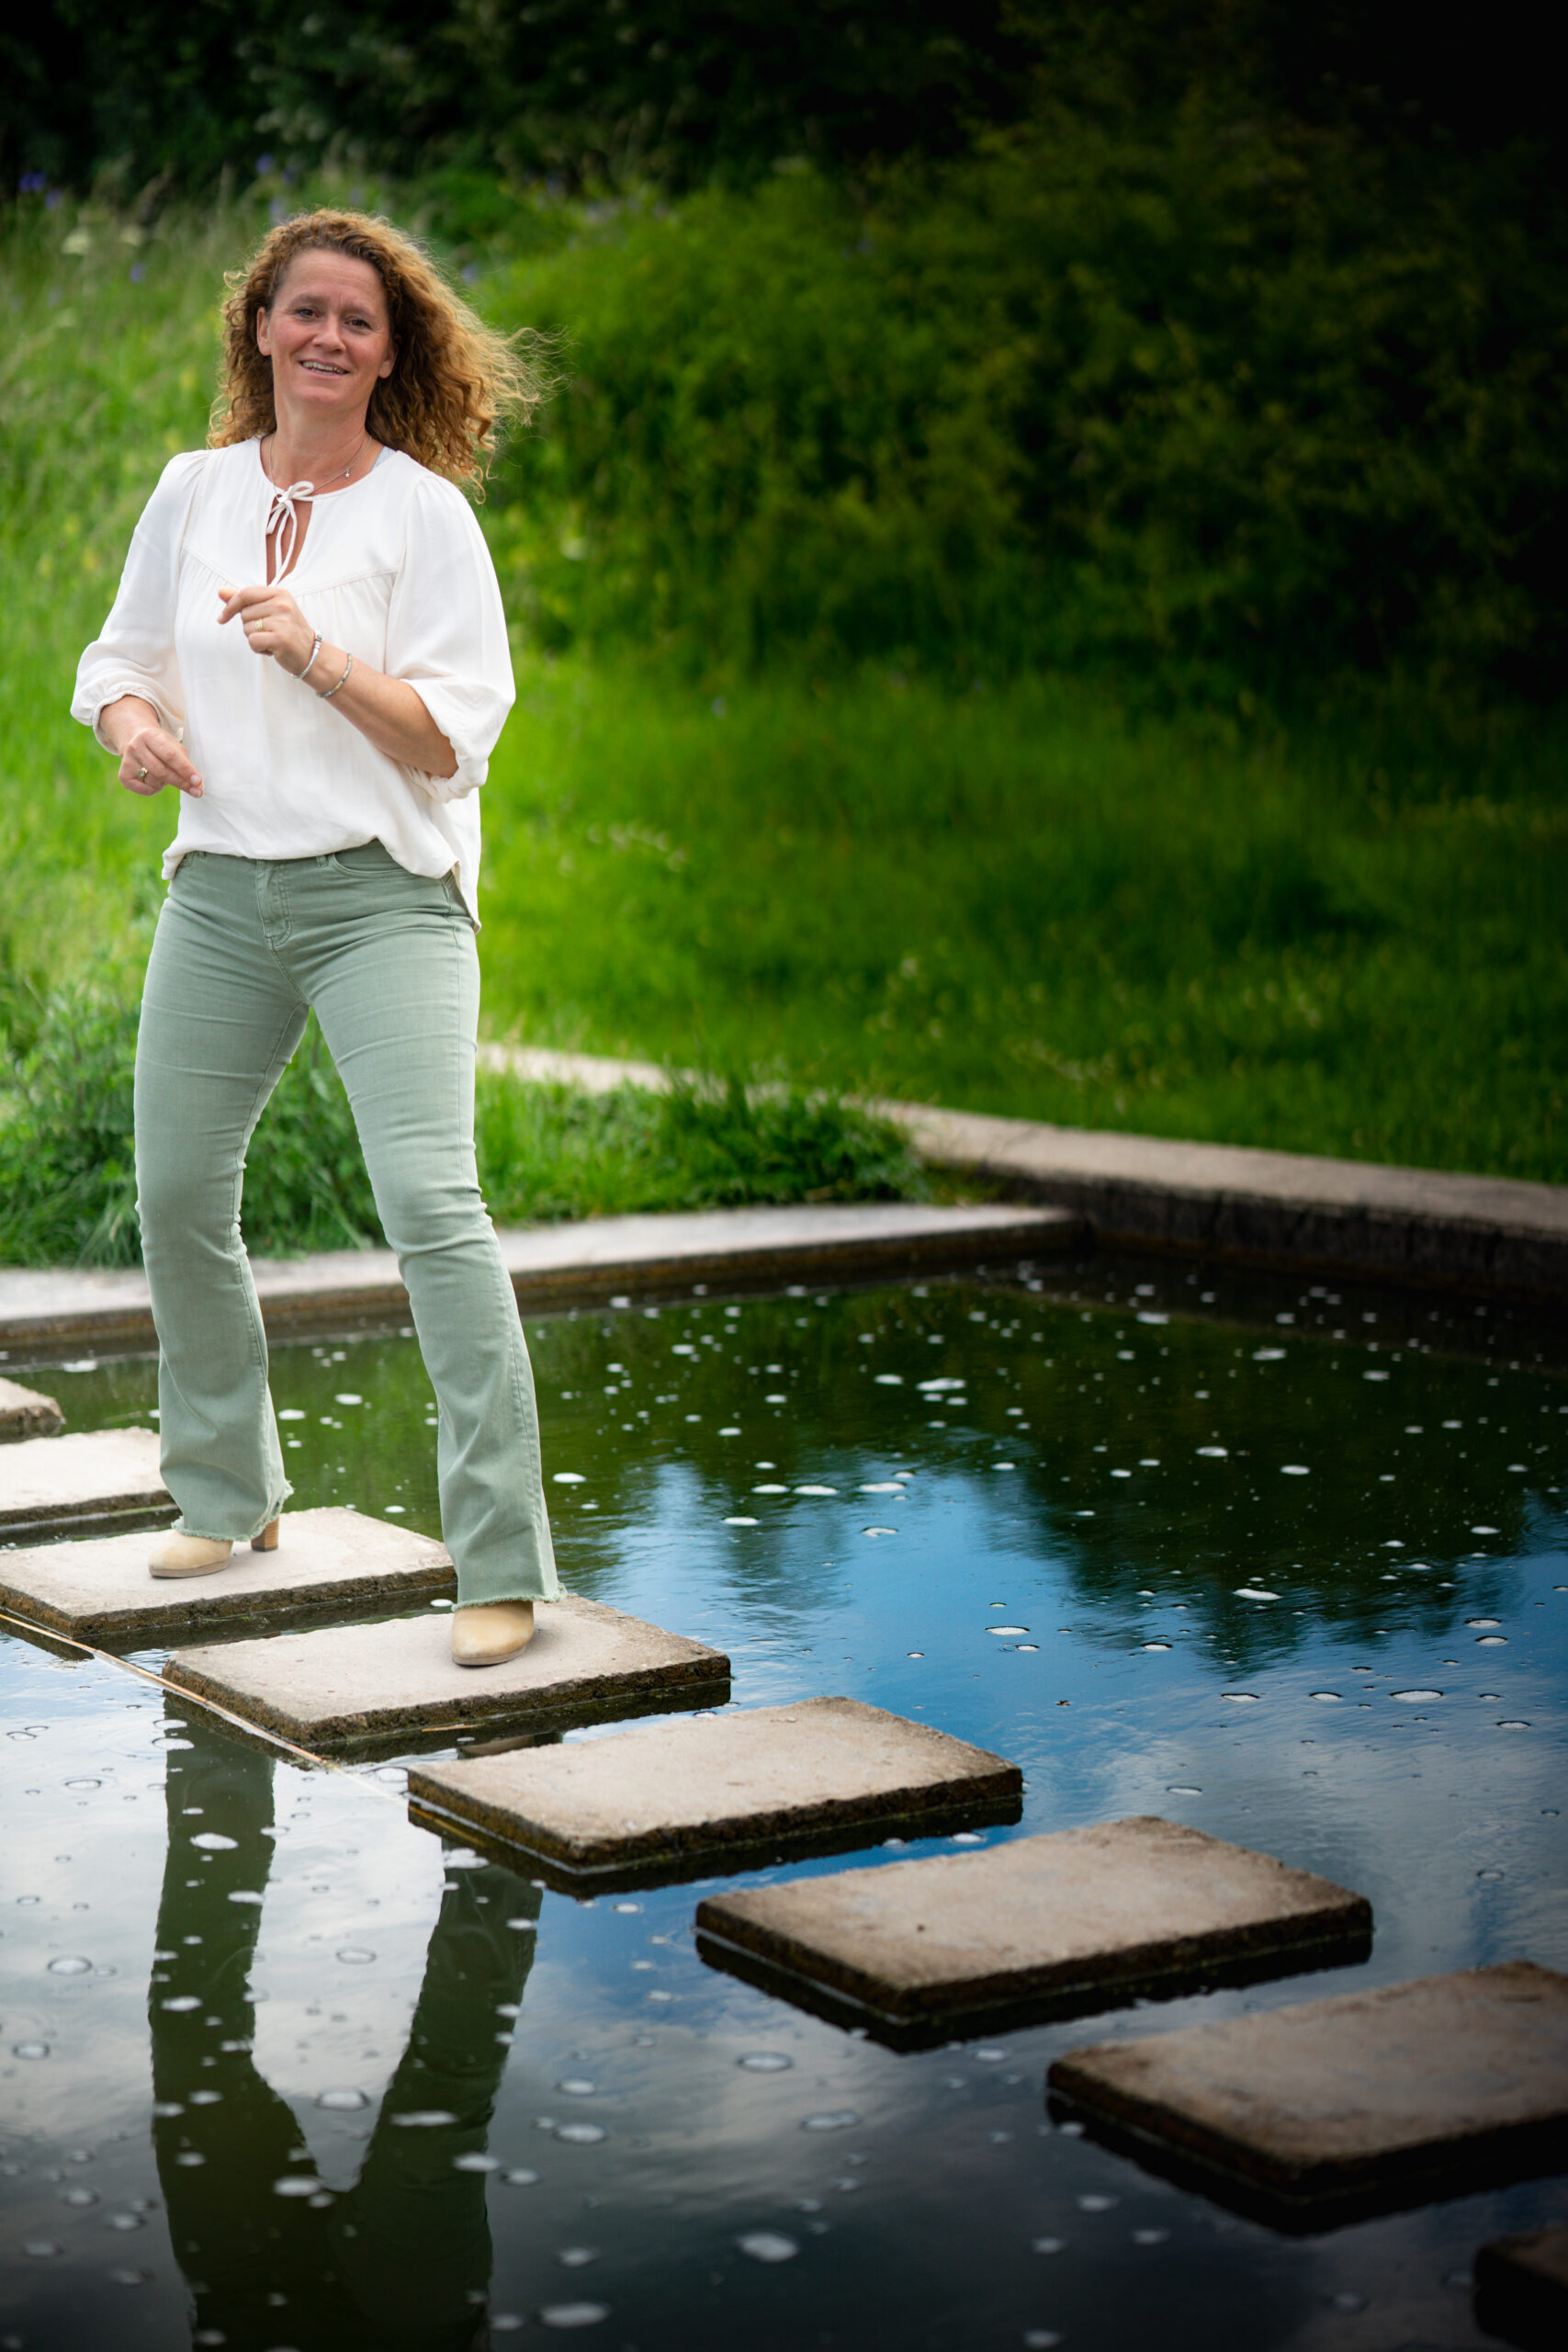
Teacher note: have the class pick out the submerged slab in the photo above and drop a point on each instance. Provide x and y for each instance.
(1081, 1914)
(24, 1413)
(1368, 2100)
(1521, 2288)
(738, 1780)
(95, 1475)
(100, 1589)
(358, 1682)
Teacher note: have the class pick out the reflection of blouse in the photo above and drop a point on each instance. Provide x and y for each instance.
(395, 571)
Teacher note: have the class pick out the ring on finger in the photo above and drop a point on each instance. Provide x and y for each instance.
(141, 775)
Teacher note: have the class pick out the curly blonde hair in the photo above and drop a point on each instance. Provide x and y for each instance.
(454, 379)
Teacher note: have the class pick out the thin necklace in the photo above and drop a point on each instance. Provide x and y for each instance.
(318, 488)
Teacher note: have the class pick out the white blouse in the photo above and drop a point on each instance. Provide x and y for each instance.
(395, 571)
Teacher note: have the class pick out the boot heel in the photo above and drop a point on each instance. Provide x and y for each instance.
(267, 1540)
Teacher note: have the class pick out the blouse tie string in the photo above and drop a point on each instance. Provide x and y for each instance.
(283, 516)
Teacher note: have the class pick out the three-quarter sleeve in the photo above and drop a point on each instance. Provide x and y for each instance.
(447, 634)
(135, 654)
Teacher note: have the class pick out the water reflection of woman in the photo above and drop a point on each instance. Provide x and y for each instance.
(309, 648)
(402, 2259)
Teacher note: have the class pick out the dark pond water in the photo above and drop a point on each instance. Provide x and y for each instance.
(279, 2070)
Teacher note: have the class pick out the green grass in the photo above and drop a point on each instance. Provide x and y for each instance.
(1040, 898)
(1025, 901)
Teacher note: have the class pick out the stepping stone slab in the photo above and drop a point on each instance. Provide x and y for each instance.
(24, 1413)
(669, 1792)
(100, 1590)
(1521, 2288)
(95, 1475)
(1365, 2101)
(360, 1682)
(1081, 1914)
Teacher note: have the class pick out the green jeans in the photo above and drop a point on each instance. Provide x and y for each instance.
(245, 949)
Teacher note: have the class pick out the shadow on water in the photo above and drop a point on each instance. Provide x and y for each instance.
(403, 2258)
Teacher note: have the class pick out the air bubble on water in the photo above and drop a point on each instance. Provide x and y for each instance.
(1040, 2339)
(30, 2050)
(90, 2196)
(212, 1841)
(1046, 2246)
(130, 2278)
(70, 1963)
(1095, 2203)
(1513, 1724)
(836, 2118)
(1346, 2301)
(355, 1955)
(521, 2176)
(581, 2135)
(764, 2062)
(1482, 1625)
(475, 2163)
(577, 2257)
(343, 2102)
(163, 2109)
(573, 2314)
(577, 2087)
(1489, 1874)
(999, 1629)
(1150, 2237)
(294, 2184)
(1156, 1645)
(1414, 1698)
(180, 2001)
(767, 2245)
(1327, 1698)
(1182, 1789)
(1493, 1641)
(425, 2119)
(41, 2249)
(1240, 1698)
(83, 1784)
(124, 2222)
(626, 1907)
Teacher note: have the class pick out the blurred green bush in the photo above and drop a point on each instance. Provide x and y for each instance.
(67, 1152)
(1253, 407)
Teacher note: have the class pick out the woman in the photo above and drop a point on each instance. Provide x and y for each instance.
(309, 647)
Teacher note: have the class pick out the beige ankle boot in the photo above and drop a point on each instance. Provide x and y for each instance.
(202, 1555)
(488, 1632)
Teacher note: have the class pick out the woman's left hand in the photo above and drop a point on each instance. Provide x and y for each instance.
(273, 624)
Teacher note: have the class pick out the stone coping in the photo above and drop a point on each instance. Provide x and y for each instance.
(395, 1681)
(81, 1480)
(672, 1796)
(1337, 2108)
(25, 1413)
(589, 1262)
(1228, 1200)
(1271, 1207)
(100, 1592)
(1056, 1925)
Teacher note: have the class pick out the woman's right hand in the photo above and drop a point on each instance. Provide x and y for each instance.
(148, 756)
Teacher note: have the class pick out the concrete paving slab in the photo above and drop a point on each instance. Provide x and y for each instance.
(1272, 1207)
(577, 1264)
(1076, 1918)
(357, 1683)
(669, 1792)
(1521, 2288)
(100, 1590)
(24, 1413)
(81, 1480)
(1357, 2104)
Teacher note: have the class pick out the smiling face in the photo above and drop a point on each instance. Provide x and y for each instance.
(329, 338)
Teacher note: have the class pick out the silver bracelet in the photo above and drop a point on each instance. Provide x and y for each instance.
(341, 681)
(314, 650)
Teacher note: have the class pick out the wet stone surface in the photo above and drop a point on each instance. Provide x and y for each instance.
(1118, 1908)
(223, 1969)
(100, 1588)
(368, 1681)
(24, 1412)
(74, 1481)
(1420, 2087)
